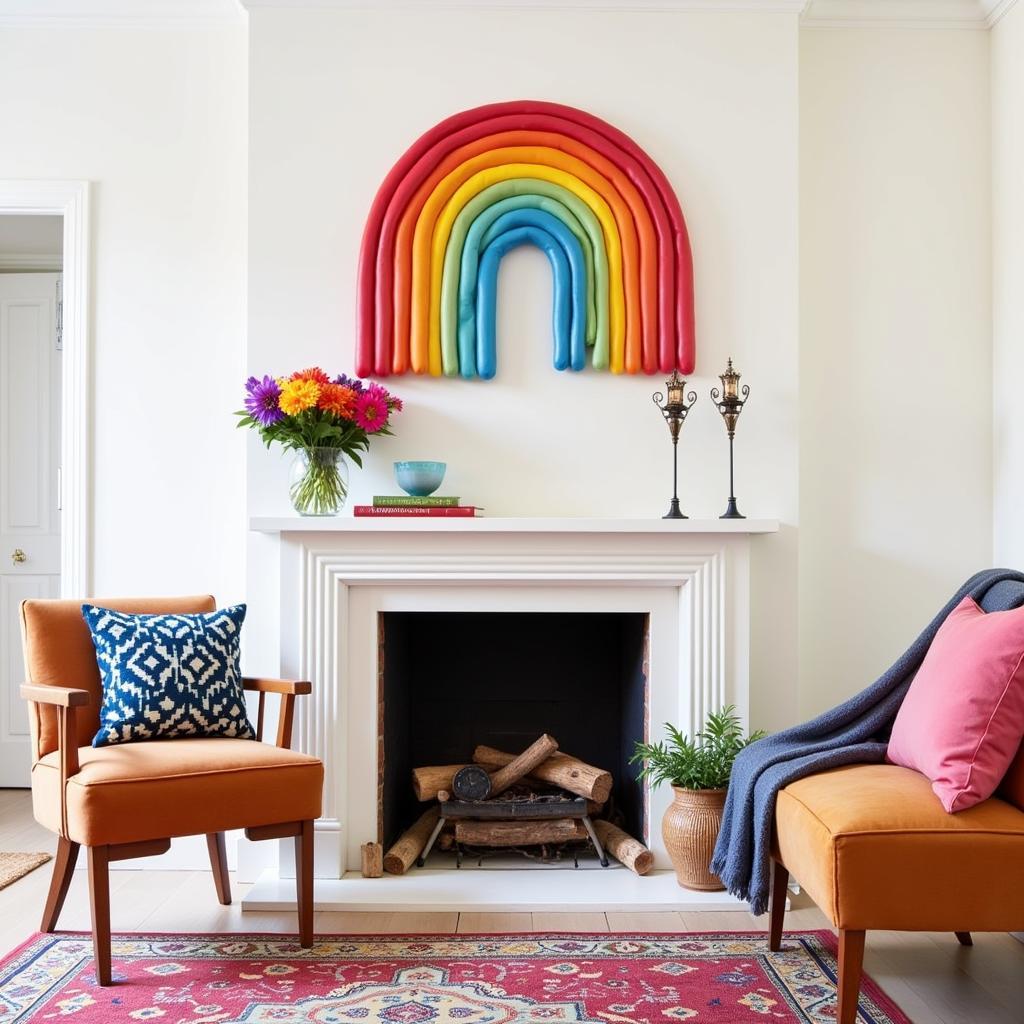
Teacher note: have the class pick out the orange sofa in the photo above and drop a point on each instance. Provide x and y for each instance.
(874, 848)
(129, 800)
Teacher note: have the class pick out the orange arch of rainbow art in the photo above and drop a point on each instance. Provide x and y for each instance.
(609, 194)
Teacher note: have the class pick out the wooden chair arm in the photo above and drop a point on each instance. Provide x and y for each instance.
(292, 686)
(288, 689)
(59, 696)
(66, 700)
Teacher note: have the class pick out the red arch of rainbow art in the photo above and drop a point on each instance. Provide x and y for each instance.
(410, 226)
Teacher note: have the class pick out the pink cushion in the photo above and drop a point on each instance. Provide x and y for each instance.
(963, 717)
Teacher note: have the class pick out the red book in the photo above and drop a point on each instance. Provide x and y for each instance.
(388, 511)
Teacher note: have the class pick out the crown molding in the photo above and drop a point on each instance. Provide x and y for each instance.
(960, 14)
(627, 6)
(996, 9)
(119, 13)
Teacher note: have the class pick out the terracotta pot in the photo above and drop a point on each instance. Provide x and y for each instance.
(690, 830)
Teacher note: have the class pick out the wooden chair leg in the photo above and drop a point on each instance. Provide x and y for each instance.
(304, 883)
(777, 911)
(63, 870)
(851, 964)
(99, 899)
(219, 864)
(964, 938)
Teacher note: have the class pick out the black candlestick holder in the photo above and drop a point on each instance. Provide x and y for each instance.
(730, 402)
(674, 408)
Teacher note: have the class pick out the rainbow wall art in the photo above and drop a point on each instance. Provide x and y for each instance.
(487, 180)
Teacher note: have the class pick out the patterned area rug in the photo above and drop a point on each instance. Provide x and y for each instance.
(16, 865)
(725, 978)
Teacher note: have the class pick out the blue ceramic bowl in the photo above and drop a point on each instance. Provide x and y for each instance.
(419, 478)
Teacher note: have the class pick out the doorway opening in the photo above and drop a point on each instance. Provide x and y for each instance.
(31, 289)
(45, 456)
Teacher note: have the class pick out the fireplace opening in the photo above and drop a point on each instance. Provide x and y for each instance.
(450, 681)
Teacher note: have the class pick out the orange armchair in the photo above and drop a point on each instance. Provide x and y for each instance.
(874, 848)
(130, 800)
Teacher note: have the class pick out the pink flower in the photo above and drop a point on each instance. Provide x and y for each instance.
(372, 410)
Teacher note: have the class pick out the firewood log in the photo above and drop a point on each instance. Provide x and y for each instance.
(519, 833)
(558, 770)
(427, 781)
(403, 854)
(624, 848)
(536, 753)
(474, 783)
(373, 860)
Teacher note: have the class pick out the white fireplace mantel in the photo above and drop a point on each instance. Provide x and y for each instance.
(336, 576)
(483, 524)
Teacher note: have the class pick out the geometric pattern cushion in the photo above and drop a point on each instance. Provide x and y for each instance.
(167, 676)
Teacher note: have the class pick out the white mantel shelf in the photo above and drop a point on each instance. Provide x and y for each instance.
(525, 524)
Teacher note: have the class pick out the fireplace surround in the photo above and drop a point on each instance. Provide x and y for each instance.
(448, 681)
(337, 581)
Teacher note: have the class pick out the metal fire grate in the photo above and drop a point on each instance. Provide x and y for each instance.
(519, 803)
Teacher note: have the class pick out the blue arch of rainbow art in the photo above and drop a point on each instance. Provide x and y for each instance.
(569, 311)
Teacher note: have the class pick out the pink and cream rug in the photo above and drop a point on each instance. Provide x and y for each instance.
(724, 977)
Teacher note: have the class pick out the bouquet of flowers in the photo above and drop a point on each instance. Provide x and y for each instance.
(321, 418)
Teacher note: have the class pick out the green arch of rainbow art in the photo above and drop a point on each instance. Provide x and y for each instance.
(461, 263)
(416, 288)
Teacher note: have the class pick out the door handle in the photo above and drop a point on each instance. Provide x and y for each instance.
(18, 556)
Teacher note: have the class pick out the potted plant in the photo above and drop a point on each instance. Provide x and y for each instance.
(322, 419)
(698, 771)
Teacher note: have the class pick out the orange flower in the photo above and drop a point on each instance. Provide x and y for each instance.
(337, 399)
(313, 373)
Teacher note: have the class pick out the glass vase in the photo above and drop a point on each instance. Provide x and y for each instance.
(318, 484)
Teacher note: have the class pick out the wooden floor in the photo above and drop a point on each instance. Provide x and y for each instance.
(930, 976)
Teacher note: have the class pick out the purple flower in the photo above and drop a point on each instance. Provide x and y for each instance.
(262, 401)
(349, 382)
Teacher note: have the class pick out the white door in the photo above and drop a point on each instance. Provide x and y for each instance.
(29, 487)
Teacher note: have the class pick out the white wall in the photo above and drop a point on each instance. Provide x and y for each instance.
(1008, 283)
(335, 98)
(880, 138)
(895, 358)
(156, 120)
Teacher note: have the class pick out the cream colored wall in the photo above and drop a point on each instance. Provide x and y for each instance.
(155, 119)
(1008, 283)
(880, 137)
(336, 96)
(895, 350)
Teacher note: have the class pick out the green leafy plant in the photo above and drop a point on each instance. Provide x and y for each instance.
(705, 762)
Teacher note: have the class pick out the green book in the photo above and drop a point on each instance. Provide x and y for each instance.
(411, 501)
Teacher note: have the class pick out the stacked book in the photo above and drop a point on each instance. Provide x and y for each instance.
(397, 505)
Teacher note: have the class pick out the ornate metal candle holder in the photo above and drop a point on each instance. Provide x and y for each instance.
(730, 405)
(674, 408)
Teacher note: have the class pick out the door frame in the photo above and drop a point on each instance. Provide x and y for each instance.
(70, 200)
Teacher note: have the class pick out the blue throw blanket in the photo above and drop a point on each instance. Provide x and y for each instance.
(856, 732)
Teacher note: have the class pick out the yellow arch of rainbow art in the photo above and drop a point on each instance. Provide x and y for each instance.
(433, 229)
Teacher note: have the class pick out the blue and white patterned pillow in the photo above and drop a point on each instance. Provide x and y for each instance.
(168, 676)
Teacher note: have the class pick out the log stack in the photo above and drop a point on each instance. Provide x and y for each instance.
(510, 801)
